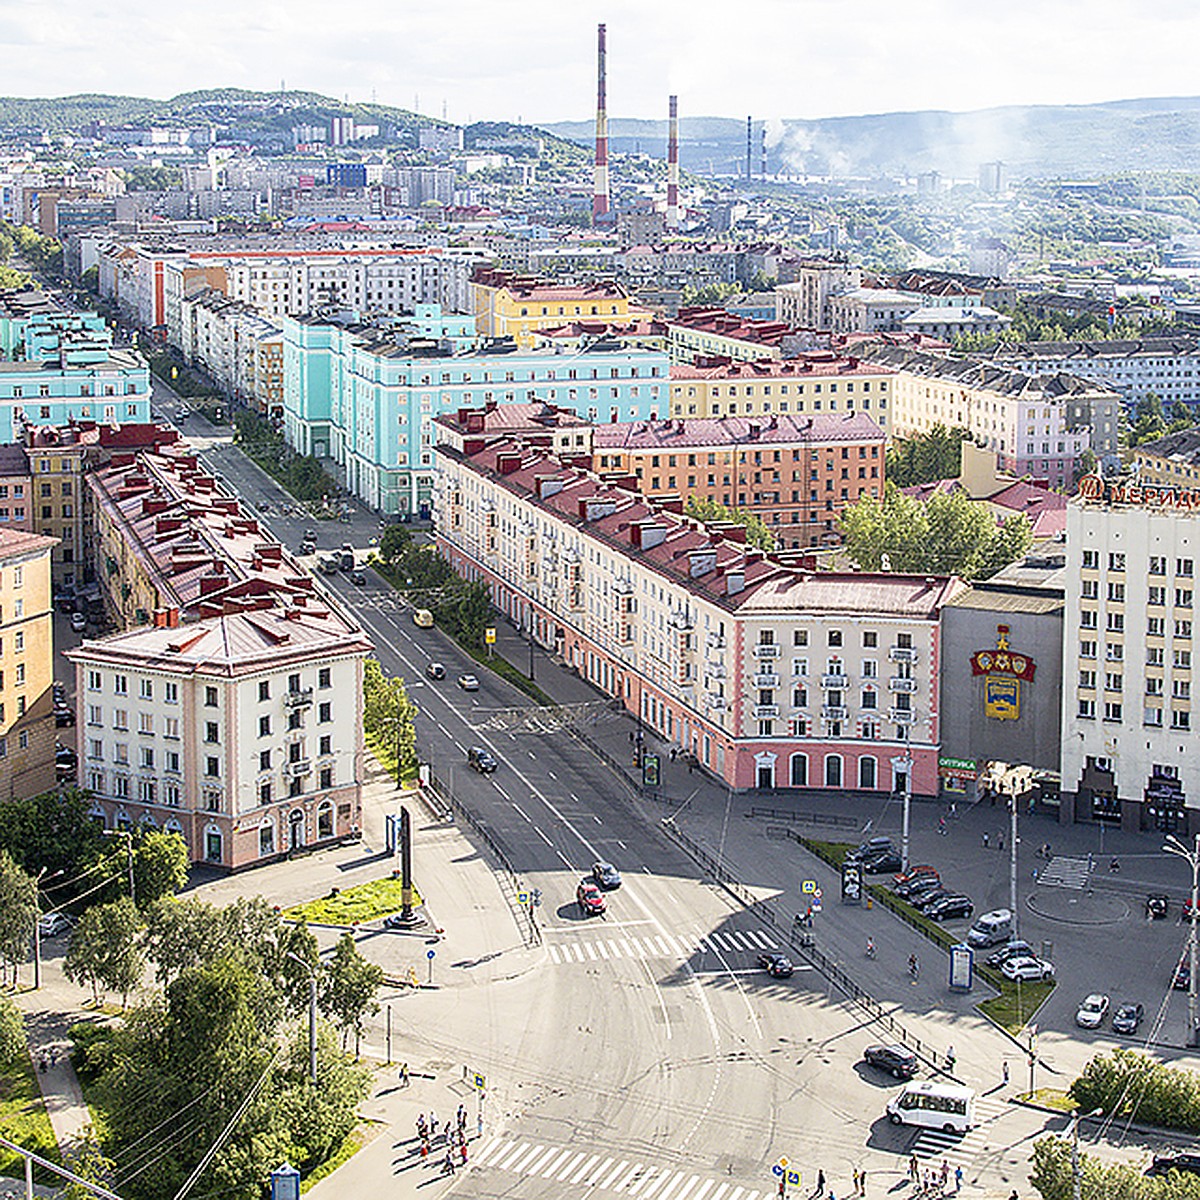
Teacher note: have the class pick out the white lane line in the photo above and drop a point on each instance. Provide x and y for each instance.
(629, 950)
(570, 1166)
(657, 1174)
(615, 949)
(520, 810)
(663, 944)
(736, 1193)
(578, 954)
(530, 1167)
(721, 940)
(510, 1154)
(482, 1155)
(743, 942)
(542, 836)
(603, 949)
(551, 774)
(501, 791)
(757, 939)
(594, 1175)
(566, 862)
(637, 1170)
(591, 953)
(720, 1191)
(704, 1188)
(676, 945)
(770, 941)
(691, 1183)
(670, 1186)
(591, 1162)
(616, 1171)
(705, 948)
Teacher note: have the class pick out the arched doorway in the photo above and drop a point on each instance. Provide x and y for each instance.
(296, 829)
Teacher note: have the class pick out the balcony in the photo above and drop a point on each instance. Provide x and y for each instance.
(901, 716)
(298, 768)
(841, 682)
(902, 685)
(715, 641)
(766, 650)
(767, 681)
(763, 712)
(715, 702)
(834, 712)
(300, 699)
(715, 670)
(902, 654)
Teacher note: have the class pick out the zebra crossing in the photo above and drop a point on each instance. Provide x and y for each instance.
(661, 946)
(935, 1143)
(578, 1168)
(1065, 872)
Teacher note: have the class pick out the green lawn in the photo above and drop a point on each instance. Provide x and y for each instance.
(354, 1141)
(353, 905)
(23, 1117)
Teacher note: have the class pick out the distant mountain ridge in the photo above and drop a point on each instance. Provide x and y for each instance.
(1149, 134)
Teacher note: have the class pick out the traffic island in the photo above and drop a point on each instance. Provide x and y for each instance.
(347, 907)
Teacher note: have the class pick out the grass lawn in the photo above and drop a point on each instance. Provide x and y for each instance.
(1014, 1007)
(355, 1140)
(23, 1117)
(352, 905)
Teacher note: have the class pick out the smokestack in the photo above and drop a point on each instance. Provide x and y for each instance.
(763, 144)
(600, 195)
(749, 148)
(673, 165)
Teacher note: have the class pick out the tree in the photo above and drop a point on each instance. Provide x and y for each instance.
(18, 912)
(757, 534)
(53, 832)
(389, 716)
(348, 985)
(396, 539)
(106, 949)
(160, 866)
(12, 1032)
(926, 457)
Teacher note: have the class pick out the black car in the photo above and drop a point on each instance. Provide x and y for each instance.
(918, 887)
(1183, 977)
(1017, 949)
(606, 875)
(894, 1059)
(887, 863)
(481, 760)
(926, 900)
(949, 908)
(877, 845)
(1156, 907)
(777, 965)
(1185, 1162)
(1127, 1018)
(63, 716)
(358, 578)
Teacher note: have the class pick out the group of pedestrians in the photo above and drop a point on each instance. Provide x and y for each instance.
(934, 1180)
(453, 1137)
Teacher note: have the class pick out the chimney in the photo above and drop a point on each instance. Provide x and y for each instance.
(600, 196)
(507, 464)
(749, 148)
(673, 164)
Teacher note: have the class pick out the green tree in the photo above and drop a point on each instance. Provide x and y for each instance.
(1087, 464)
(106, 949)
(53, 832)
(757, 534)
(160, 866)
(389, 716)
(348, 986)
(13, 1043)
(18, 912)
(926, 457)
(396, 539)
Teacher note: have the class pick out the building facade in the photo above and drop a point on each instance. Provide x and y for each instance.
(805, 303)
(771, 675)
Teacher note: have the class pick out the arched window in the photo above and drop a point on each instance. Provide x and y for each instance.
(833, 770)
(799, 770)
(867, 774)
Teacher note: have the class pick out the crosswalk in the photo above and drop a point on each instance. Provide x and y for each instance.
(662, 946)
(935, 1143)
(1065, 872)
(579, 1169)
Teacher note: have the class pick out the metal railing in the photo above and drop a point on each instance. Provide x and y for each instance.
(792, 816)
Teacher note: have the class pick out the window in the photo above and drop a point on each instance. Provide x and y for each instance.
(146, 689)
(1087, 709)
(1087, 679)
(171, 727)
(1087, 618)
(799, 637)
(1113, 682)
(264, 726)
(325, 744)
(1091, 589)
(1091, 560)
(325, 712)
(264, 690)
(264, 760)
(904, 640)
(323, 677)
(147, 757)
(294, 719)
(1180, 719)
(211, 699)
(835, 639)
(212, 766)
(1116, 593)
(93, 681)
(326, 777)
(1183, 660)
(1183, 629)
(146, 723)
(1115, 622)
(1152, 717)
(293, 683)
(870, 638)
(1116, 562)
(1183, 566)
(171, 693)
(1157, 596)
(212, 732)
(120, 685)
(1112, 710)
(1183, 597)
(1158, 566)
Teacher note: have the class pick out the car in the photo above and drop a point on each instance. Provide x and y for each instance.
(64, 716)
(1092, 1011)
(868, 849)
(358, 578)
(480, 760)
(606, 875)
(1157, 907)
(78, 622)
(894, 1059)
(1127, 1018)
(950, 908)
(60, 691)
(1182, 980)
(590, 899)
(915, 873)
(777, 965)
(1017, 949)
(435, 670)
(307, 547)
(51, 924)
(882, 864)
(929, 899)
(65, 602)
(925, 883)
(310, 535)
(1027, 969)
(468, 683)
(1188, 1164)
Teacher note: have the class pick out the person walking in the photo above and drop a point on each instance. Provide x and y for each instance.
(985, 841)
(820, 1182)
(448, 1162)
(462, 1117)
(424, 1145)
(914, 1168)
(1006, 1072)
(404, 1079)
(958, 1178)
(433, 1124)
(1000, 841)
(862, 1182)
(422, 1128)
(951, 1059)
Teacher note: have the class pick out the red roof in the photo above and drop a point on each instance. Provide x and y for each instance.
(727, 431)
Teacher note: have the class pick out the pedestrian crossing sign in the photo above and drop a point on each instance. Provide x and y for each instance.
(479, 1082)
(808, 887)
(522, 897)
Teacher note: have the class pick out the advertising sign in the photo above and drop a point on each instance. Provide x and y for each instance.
(962, 968)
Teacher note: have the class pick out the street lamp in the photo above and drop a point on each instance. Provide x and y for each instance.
(37, 928)
(312, 1013)
(120, 831)
(1076, 1179)
(1192, 857)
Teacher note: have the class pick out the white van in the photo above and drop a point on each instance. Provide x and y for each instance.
(932, 1105)
(991, 929)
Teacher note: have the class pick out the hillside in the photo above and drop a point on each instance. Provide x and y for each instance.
(1045, 140)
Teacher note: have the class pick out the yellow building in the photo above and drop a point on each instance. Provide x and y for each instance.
(26, 665)
(507, 305)
(1171, 461)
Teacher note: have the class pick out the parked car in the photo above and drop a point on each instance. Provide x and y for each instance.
(915, 873)
(894, 1059)
(1184, 1161)
(1157, 907)
(950, 908)
(590, 899)
(307, 547)
(51, 924)
(480, 760)
(606, 876)
(1027, 969)
(777, 965)
(1127, 1018)
(928, 899)
(64, 715)
(1092, 1011)
(1017, 949)
(78, 622)
(1183, 977)
(358, 578)
(925, 883)
(882, 864)
(435, 670)
(468, 683)
(876, 845)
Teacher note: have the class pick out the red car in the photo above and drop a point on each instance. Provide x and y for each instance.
(915, 873)
(590, 899)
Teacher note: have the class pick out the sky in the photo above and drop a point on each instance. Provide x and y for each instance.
(534, 60)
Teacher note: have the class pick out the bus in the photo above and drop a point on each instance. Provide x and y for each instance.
(933, 1105)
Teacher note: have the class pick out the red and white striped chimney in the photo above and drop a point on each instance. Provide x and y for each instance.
(600, 194)
(673, 165)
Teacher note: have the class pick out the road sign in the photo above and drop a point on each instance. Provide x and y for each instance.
(522, 898)
(430, 954)
(489, 635)
(808, 887)
(536, 897)
(479, 1082)
(816, 905)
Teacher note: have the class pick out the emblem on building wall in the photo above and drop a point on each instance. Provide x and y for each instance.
(1003, 671)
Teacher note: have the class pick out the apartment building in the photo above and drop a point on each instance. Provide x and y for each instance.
(797, 474)
(716, 333)
(805, 303)
(1035, 425)
(366, 396)
(770, 674)
(1129, 656)
(1167, 367)
(816, 384)
(27, 727)
(16, 489)
(1170, 461)
(232, 731)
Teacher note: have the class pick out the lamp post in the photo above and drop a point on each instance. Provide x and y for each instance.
(37, 929)
(127, 834)
(1076, 1178)
(312, 1013)
(1192, 857)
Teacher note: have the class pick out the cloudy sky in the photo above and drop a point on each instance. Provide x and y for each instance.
(534, 59)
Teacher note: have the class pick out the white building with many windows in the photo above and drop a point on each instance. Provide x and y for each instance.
(233, 731)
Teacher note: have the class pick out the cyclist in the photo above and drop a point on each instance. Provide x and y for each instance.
(914, 966)
(870, 947)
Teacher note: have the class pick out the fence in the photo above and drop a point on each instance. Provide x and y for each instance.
(528, 919)
(798, 937)
(832, 820)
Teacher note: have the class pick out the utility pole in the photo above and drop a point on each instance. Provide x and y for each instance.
(1192, 857)
(312, 1014)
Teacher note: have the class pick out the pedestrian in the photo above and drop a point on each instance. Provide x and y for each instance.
(1013, 1194)
(985, 841)
(422, 1128)
(820, 1182)
(433, 1124)
(854, 1175)
(862, 1182)
(914, 1168)
(448, 1163)
(951, 1058)
(958, 1179)
(462, 1152)
(462, 1117)
(424, 1146)
(1006, 1072)
(404, 1075)
(945, 1172)
(1000, 841)
(953, 809)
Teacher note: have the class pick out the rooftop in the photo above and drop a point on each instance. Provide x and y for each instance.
(1163, 347)
(1181, 447)
(15, 543)
(726, 431)
(815, 363)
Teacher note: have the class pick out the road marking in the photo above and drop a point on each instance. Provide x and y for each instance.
(538, 1160)
(603, 949)
(757, 939)
(501, 791)
(551, 774)
(555, 1163)
(720, 939)
(743, 943)
(482, 1155)
(670, 1186)
(553, 954)
(542, 836)
(719, 1192)
(657, 1184)
(566, 862)
(665, 948)
(571, 1165)
(520, 810)
(637, 1170)
(591, 1162)
(523, 1148)
(691, 1183)
(616, 1171)
(594, 1175)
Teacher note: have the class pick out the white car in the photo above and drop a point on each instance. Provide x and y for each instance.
(51, 924)
(78, 622)
(1027, 968)
(1092, 1011)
